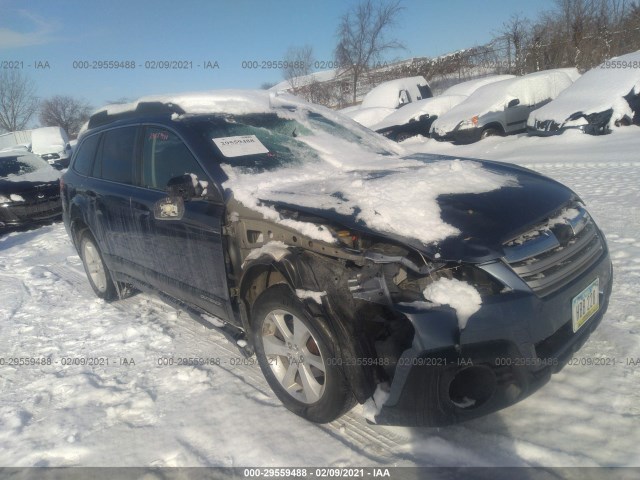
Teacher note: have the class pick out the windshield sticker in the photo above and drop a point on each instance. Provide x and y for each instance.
(240, 146)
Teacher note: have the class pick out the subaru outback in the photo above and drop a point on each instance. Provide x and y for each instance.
(448, 287)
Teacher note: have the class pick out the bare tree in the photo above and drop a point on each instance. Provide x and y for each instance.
(361, 38)
(18, 101)
(515, 31)
(298, 62)
(66, 112)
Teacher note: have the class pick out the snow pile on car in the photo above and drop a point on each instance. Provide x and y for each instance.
(48, 139)
(470, 86)
(434, 106)
(386, 94)
(529, 89)
(600, 89)
(370, 116)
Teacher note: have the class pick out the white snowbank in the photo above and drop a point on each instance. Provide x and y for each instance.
(599, 89)
(460, 296)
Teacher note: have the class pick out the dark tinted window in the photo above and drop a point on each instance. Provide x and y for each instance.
(165, 156)
(115, 161)
(87, 152)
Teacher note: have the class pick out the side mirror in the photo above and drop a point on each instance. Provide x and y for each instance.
(182, 187)
(513, 103)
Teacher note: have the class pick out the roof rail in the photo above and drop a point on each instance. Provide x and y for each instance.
(143, 108)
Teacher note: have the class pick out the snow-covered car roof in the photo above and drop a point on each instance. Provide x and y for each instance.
(434, 106)
(369, 116)
(386, 94)
(529, 89)
(600, 89)
(470, 86)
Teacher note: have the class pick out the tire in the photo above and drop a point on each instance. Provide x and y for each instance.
(95, 268)
(293, 350)
(490, 132)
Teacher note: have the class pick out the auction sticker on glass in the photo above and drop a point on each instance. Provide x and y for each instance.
(240, 146)
(585, 304)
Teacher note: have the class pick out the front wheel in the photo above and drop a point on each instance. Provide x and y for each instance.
(97, 272)
(490, 132)
(299, 357)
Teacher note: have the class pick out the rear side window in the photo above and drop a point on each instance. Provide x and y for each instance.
(115, 161)
(165, 156)
(87, 152)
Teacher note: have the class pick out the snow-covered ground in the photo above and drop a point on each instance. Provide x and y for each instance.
(139, 411)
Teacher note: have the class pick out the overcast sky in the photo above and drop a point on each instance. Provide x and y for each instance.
(54, 35)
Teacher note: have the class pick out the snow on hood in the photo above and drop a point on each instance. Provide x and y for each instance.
(600, 89)
(529, 89)
(386, 193)
(386, 94)
(369, 116)
(470, 86)
(434, 106)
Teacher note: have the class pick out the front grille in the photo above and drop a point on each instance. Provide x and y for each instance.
(552, 255)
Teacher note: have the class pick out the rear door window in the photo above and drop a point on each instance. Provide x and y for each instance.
(116, 158)
(165, 156)
(87, 152)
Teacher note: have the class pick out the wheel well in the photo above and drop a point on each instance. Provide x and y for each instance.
(495, 126)
(77, 227)
(257, 280)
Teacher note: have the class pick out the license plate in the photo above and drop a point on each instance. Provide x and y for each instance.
(51, 162)
(585, 304)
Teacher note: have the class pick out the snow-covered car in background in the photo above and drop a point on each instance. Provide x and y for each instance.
(501, 108)
(29, 190)
(387, 97)
(52, 144)
(417, 117)
(605, 97)
(445, 288)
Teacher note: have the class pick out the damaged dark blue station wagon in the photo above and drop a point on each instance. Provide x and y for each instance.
(332, 306)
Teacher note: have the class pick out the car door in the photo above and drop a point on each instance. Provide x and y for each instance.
(184, 256)
(109, 194)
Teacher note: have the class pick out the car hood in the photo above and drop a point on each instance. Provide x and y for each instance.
(485, 221)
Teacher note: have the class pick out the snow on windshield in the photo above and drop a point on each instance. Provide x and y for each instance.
(382, 190)
(18, 166)
(601, 88)
(529, 89)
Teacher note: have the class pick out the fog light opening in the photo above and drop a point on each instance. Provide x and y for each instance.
(472, 387)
